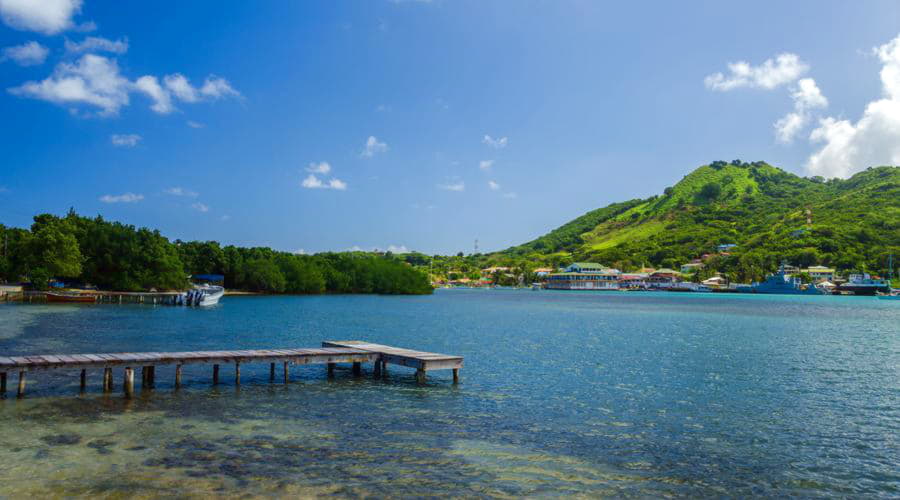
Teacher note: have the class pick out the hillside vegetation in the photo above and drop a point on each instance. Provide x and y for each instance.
(771, 215)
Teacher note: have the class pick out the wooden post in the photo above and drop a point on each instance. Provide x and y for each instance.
(271, 372)
(128, 384)
(83, 379)
(107, 379)
(2, 384)
(143, 376)
(21, 392)
(215, 374)
(456, 375)
(420, 376)
(384, 370)
(376, 370)
(357, 369)
(151, 376)
(237, 373)
(330, 369)
(178, 376)
(285, 372)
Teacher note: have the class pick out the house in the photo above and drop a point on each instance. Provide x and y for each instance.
(726, 246)
(584, 276)
(491, 270)
(691, 267)
(819, 273)
(633, 280)
(542, 271)
(663, 278)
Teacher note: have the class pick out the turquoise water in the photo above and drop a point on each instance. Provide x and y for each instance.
(563, 393)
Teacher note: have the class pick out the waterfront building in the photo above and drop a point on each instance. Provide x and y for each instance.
(585, 267)
(542, 271)
(633, 280)
(818, 273)
(691, 267)
(584, 276)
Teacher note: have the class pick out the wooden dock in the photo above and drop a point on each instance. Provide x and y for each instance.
(331, 353)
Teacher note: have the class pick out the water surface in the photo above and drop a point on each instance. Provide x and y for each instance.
(563, 393)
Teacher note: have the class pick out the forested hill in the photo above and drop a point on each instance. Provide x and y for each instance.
(116, 256)
(770, 214)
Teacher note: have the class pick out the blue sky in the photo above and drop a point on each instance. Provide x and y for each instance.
(423, 125)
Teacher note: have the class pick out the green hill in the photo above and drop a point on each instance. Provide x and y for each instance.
(768, 213)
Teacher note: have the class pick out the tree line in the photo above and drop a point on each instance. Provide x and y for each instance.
(116, 256)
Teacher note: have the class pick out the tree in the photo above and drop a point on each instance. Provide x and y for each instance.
(54, 247)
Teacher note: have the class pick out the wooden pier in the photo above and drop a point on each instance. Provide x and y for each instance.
(331, 353)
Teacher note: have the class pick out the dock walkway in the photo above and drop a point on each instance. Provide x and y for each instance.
(331, 353)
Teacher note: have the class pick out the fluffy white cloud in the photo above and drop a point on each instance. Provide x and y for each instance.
(193, 124)
(494, 186)
(397, 249)
(319, 168)
(95, 81)
(313, 182)
(125, 140)
(121, 198)
(180, 191)
(874, 139)
(453, 186)
(44, 16)
(498, 143)
(485, 164)
(806, 96)
(510, 195)
(27, 54)
(772, 73)
(97, 44)
(200, 207)
(92, 80)
(373, 146)
(162, 100)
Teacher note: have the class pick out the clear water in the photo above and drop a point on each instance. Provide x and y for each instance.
(562, 394)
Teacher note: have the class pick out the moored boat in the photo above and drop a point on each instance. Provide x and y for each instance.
(201, 295)
(781, 283)
(863, 284)
(70, 297)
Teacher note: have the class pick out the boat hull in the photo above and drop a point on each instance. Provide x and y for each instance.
(64, 298)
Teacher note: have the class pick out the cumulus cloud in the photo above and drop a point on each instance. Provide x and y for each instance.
(498, 143)
(494, 186)
(772, 73)
(806, 96)
(95, 81)
(313, 182)
(485, 164)
(874, 139)
(122, 198)
(373, 146)
(27, 54)
(200, 207)
(319, 168)
(43, 16)
(92, 80)
(193, 124)
(97, 44)
(180, 191)
(453, 186)
(125, 140)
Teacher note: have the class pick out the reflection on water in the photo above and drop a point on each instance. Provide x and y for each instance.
(562, 394)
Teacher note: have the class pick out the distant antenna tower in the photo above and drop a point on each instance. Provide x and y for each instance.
(476, 245)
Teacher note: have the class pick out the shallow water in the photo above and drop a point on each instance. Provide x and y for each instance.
(563, 393)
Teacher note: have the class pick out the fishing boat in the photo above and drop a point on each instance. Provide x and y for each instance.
(863, 284)
(781, 283)
(200, 295)
(70, 297)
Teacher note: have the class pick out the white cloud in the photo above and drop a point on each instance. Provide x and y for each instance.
(299, 251)
(806, 96)
(874, 139)
(498, 143)
(178, 84)
(373, 146)
(313, 182)
(44, 16)
(485, 164)
(193, 124)
(225, 218)
(93, 80)
(772, 73)
(122, 198)
(319, 168)
(180, 191)
(510, 195)
(494, 186)
(453, 186)
(200, 207)
(97, 44)
(217, 87)
(125, 140)
(397, 249)
(27, 54)
(383, 108)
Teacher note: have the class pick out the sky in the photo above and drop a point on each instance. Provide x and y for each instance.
(423, 125)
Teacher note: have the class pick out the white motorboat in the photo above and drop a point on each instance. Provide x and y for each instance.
(201, 295)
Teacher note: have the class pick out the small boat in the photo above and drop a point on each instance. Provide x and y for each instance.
(200, 295)
(70, 297)
(863, 284)
(536, 286)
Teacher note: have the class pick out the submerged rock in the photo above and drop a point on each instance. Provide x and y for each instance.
(61, 439)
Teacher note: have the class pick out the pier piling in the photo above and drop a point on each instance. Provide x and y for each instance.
(215, 374)
(21, 392)
(357, 369)
(271, 372)
(128, 384)
(237, 373)
(3, 384)
(330, 370)
(83, 379)
(178, 376)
